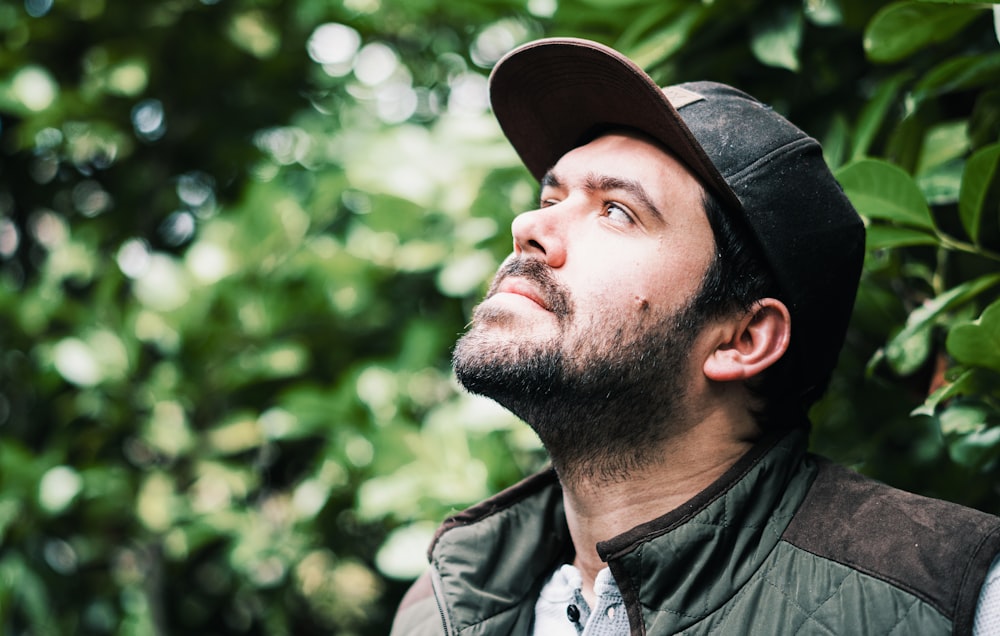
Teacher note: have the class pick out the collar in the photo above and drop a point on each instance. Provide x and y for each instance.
(679, 568)
(491, 560)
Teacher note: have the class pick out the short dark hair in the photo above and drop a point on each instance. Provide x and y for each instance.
(737, 277)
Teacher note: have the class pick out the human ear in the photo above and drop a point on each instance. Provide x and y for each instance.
(752, 343)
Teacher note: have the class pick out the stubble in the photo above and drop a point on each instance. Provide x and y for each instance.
(602, 396)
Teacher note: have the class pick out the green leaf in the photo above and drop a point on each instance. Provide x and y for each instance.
(901, 29)
(657, 14)
(977, 449)
(959, 73)
(967, 383)
(880, 190)
(824, 12)
(611, 4)
(970, 431)
(776, 39)
(874, 113)
(977, 343)
(981, 174)
(942, 183)
(836, 142)
(963, 418)
(889, 236)
(985, 119)
(662, 44)
(943, 143)
(907, 350)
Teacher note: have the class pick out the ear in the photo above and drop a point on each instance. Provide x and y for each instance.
(751, 343)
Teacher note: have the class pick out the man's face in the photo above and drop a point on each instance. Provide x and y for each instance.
(589, 317)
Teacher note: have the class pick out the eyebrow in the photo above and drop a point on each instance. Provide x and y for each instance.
(605, 183)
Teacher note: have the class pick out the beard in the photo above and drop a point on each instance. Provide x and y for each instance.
(602, 396)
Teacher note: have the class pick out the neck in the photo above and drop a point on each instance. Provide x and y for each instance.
(599, 508)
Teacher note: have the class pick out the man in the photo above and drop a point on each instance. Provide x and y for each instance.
(669, 312)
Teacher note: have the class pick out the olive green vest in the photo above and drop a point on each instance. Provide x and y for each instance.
(783, 543)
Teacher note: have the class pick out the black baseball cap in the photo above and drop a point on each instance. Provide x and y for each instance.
(555, 94)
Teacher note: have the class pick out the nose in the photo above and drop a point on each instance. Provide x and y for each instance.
(541, 234)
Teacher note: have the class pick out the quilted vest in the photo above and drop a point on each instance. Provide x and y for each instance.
(784, 543)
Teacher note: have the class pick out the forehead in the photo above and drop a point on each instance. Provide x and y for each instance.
(634, 157)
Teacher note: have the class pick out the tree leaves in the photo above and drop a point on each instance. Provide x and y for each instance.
(224, 346)
(880, 190)
(979, 186)
(908, 349)
(977, 343)
(776, 39)
(903, 28)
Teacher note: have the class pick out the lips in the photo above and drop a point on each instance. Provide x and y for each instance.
(521, 287)
(532, 279)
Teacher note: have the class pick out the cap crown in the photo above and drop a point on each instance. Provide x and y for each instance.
(551, 95)
(810, 234)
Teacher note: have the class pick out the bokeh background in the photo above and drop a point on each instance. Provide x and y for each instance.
(238, 239)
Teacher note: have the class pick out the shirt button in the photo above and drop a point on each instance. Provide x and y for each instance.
(573, 613)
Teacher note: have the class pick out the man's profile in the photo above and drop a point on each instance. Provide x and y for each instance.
(669, 312)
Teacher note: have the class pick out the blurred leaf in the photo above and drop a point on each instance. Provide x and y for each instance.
(959, 73)
(664, 42)
(943, 143)
(941, 185)
(978, 343)
(611, 4)
(887, 236)
(963, 418)
(977, 449)
(824, 12)
(658, 13)
(985, 119)
(880, 190)
(836, 142)
(969, 382)
(908, 349)
(982, 174)
(776, 39)
(231, 275)
(28, 588)
(900, 29)
(874, 113)
(971, 433)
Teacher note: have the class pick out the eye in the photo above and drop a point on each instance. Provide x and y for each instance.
(617, 213)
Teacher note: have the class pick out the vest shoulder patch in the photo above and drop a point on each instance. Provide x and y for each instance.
(936, 550)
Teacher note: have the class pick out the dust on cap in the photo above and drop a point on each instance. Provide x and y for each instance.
(553, 95)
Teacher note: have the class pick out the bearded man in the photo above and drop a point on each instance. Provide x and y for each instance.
(669, 312)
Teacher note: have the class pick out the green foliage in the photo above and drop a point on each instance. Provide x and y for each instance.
(238, 239)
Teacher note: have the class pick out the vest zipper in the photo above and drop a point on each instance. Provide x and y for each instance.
(439, 599)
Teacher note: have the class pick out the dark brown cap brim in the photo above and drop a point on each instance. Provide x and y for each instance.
(551, 95)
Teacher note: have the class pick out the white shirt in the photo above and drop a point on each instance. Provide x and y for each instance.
(561, 600)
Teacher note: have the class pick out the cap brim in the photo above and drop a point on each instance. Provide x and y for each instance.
(550, 95)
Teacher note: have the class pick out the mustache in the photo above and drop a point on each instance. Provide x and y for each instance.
(555, 296)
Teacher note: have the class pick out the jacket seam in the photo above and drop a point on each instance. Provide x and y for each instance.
(763, 452)
(500, 502)
(902, 618)
(777, 152)
(878, 576)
